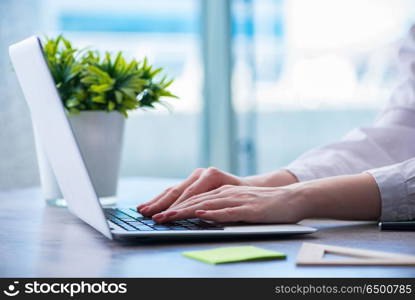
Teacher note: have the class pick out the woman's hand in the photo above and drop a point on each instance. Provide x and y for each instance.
(242, 203)
(341, 197)
(199, 182)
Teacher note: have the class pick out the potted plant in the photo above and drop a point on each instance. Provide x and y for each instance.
(97, 92)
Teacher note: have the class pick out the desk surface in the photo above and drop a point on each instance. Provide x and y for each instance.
(37, 240)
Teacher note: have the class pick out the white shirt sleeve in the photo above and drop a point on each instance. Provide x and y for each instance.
(386, 150)
(397, 189)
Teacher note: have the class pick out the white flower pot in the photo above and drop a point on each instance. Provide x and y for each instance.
(99, 135)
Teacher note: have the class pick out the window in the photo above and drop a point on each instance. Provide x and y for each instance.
(308, 71)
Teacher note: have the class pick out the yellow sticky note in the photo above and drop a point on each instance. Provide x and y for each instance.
(233, 254)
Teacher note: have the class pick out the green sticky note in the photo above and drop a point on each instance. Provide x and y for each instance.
(232, 254)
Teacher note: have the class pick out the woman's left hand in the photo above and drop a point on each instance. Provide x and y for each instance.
(242, 203)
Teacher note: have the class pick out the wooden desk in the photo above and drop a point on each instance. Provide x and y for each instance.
(36, 240)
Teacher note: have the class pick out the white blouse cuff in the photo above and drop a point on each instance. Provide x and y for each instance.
(396, 191)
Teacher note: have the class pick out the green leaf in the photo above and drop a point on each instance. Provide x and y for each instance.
(167, 94)
(100, 88)
(101, 75)
(129, 92)
(168, 83)
(124, 112)
(117, 60)
(111, 106)
(155, 72)
(72, 103)
(118, 97)
(98, 99)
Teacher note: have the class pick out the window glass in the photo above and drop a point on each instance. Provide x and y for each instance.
(320, 68)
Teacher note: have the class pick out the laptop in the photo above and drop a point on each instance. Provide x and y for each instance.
(50, 121)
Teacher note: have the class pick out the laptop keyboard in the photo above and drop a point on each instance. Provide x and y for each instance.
(131, 220)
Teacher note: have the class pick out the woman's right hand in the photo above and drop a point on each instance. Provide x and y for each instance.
(200, 181)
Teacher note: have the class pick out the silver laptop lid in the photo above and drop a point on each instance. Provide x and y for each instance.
(50, 121)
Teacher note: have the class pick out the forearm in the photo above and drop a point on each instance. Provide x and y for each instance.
(342, 197)
(273, 179)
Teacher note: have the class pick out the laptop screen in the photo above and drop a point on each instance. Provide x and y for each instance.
(54, 130)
